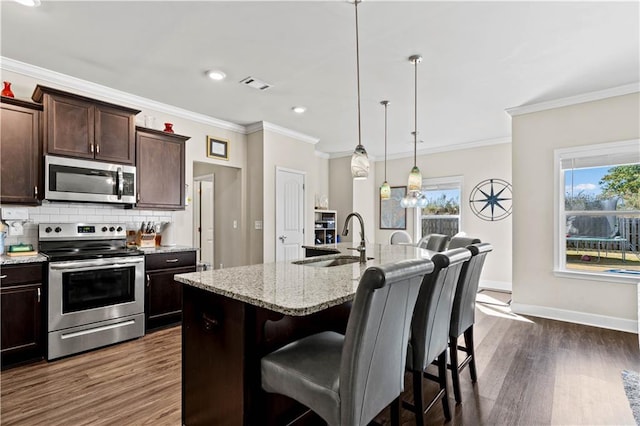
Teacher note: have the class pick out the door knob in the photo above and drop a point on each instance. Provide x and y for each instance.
(282, 238)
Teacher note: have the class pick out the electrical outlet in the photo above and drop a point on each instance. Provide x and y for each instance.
(258, 224)
(235, 224)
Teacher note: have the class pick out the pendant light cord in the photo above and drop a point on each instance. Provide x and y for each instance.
(358, 73)
(386, 103)
(415, 122)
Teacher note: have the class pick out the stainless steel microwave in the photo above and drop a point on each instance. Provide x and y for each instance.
(70, 179)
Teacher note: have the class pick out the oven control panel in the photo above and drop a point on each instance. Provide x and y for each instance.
(93, 231)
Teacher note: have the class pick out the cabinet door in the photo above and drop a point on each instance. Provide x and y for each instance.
(164, 297)
(21, 323)
(114, 135)
(160, 170)
(69, 126)
(20, 155)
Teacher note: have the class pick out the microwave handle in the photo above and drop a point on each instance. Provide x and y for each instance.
(120, 183)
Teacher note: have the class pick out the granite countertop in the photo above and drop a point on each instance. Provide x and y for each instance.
(166, 249)
(36, 258)
(297, 289)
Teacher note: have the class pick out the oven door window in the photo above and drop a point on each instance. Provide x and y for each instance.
(97, 288)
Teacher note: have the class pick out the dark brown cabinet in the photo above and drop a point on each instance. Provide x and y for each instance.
(76, 126)
(163, 297)
(21, 300)
(160, 169)
(20, 158)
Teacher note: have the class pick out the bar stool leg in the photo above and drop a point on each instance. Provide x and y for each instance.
(395, 411)
(418, 398)
(442, 373)
(468, 342)
(455, 373)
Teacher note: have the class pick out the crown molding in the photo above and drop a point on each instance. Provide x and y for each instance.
(112, 95)
(321, 154)
(455, 147)
(343, 154)
(573, 100)
(264, 125)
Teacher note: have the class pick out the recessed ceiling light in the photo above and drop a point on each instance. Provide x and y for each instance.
(299, 109)
(30, 3)
(216, 75)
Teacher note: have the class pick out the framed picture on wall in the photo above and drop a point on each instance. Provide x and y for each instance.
(392, 215)
(217, 148)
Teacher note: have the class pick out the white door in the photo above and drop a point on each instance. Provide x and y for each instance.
(289, 214)
(206, 222)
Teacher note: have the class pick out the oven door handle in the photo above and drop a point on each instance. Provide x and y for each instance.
(92, 264)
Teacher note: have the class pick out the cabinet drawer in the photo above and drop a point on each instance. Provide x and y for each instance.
(170, 260)
(21, 274)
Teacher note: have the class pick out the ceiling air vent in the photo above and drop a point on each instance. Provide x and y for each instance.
(255, 83)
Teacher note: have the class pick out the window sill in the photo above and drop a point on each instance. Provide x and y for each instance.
(592, 276)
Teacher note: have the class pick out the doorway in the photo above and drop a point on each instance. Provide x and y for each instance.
(289, 214)
(204, 218)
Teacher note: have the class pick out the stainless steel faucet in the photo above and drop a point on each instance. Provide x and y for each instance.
(345, 231)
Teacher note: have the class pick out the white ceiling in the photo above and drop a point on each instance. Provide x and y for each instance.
(479, 59)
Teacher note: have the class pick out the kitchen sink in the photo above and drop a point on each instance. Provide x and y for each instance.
(324, 262)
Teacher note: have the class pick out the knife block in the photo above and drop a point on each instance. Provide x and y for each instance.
(146, 240)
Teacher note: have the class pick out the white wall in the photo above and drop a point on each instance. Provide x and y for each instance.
(475, 165)
(341, 191)
(535, 136)
(287, 152)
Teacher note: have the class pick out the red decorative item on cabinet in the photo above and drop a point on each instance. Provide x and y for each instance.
(6, 90)
(168, 127)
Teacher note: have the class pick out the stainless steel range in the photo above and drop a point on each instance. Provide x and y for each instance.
(96, 286)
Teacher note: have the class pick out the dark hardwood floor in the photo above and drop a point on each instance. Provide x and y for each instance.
(531, 371)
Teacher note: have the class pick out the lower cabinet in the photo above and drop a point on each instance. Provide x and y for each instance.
(163, 296)
(22, 301)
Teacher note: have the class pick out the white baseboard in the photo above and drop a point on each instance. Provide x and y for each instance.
(602, 321)
(495, 285)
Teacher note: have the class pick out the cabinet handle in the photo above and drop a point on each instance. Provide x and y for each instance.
(171, 260)
(91, 147)
(209, 322)
(97, 148)
(2, 277)
(148, 280)
(35, 191)
(39, 294)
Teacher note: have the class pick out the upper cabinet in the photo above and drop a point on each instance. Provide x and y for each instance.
(160, 169)
(76, 126)
(20, 159)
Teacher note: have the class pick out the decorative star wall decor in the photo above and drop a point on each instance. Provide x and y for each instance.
(491, 199)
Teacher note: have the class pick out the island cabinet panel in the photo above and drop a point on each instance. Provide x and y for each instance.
(223, 341)
(80, 127)
(160, 167)
(163, 296)
(21, 300)
(20, 152)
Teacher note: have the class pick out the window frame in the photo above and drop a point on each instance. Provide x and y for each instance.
(453, 181)
(631, 147)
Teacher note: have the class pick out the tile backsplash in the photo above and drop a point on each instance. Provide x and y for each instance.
(85, 213)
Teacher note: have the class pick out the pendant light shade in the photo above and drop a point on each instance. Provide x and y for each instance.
(359, 159)
(385, 189)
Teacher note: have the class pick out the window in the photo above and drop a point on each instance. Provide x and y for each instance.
(442, 214)
(598, 206)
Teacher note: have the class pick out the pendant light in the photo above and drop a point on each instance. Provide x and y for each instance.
(414, 197)
(359, 159)
(385, 189)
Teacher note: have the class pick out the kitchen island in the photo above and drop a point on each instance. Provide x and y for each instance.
(232, 317)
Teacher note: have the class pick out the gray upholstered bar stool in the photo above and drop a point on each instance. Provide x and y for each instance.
(463, 313)
(430, 329)
(434, 242)
(347, 380)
